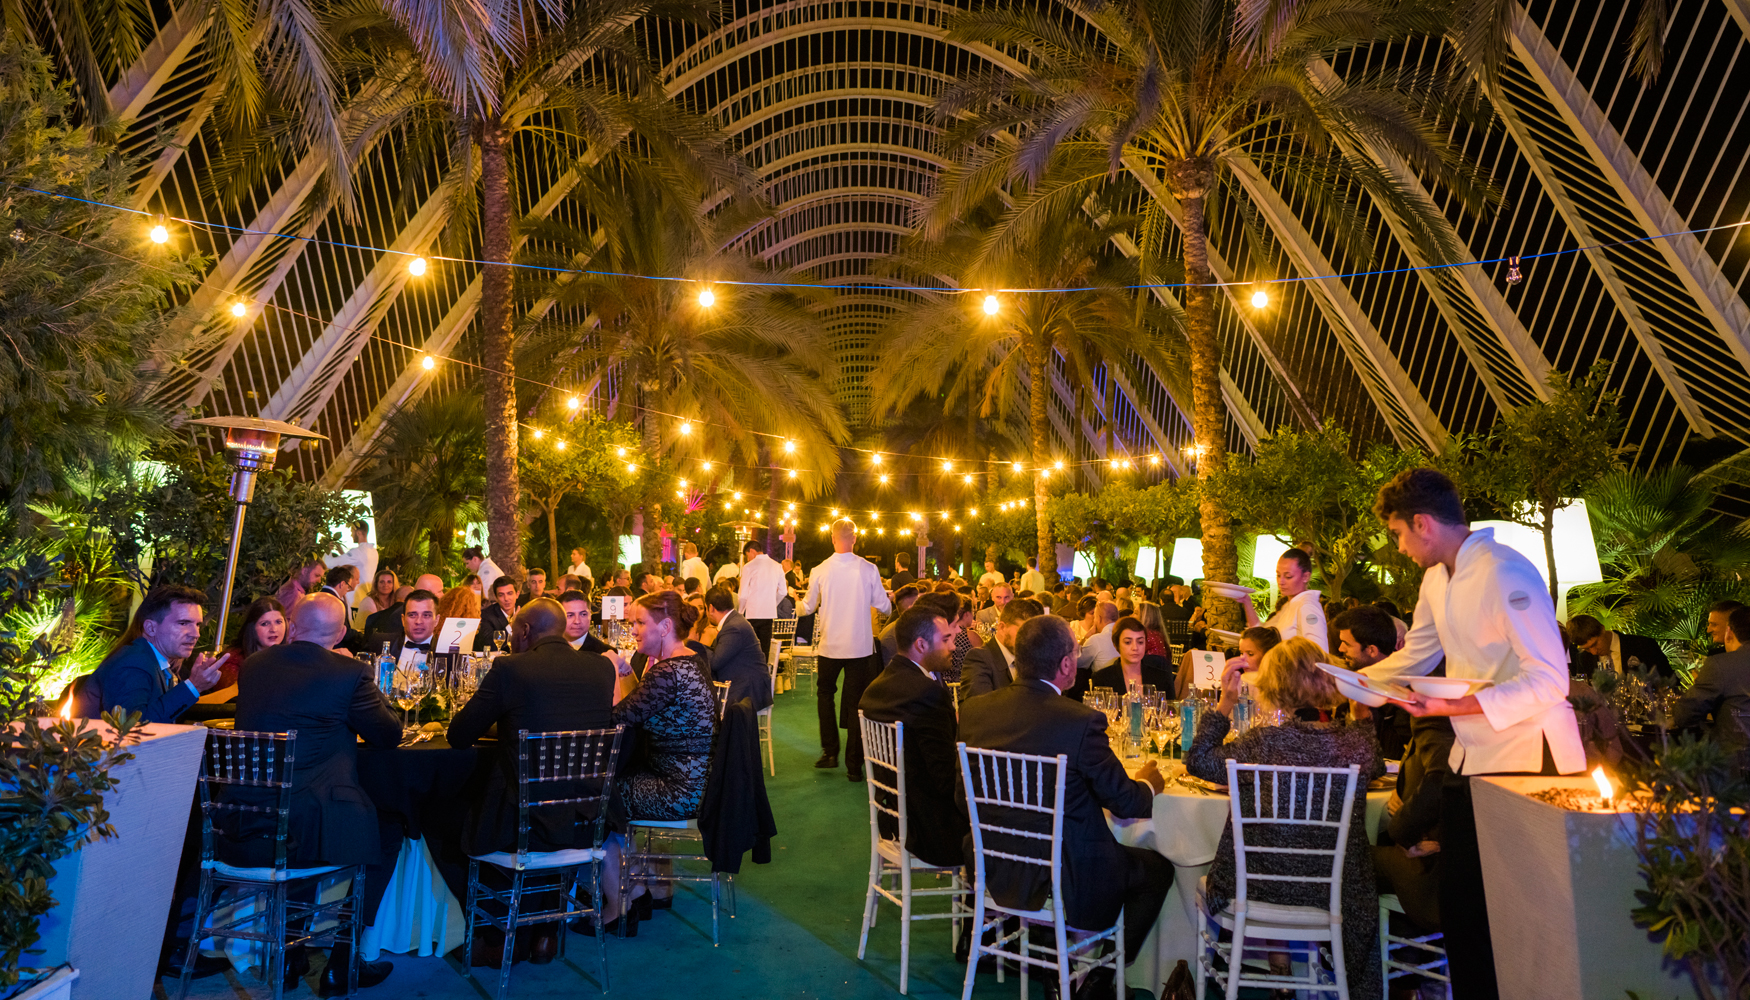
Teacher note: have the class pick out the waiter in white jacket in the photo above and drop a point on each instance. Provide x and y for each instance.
(1484, 608)
(841, 592)
(762, 587)
(1299, 612)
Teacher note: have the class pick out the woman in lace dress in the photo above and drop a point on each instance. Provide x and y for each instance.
(676, 707)
(1288, 680)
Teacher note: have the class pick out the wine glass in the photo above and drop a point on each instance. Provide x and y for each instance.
(409, 690)
(500, 639)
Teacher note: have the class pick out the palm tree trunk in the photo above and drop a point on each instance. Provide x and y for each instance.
(1040, 418)
(650, 547)
(503, 519)
(1208, 418)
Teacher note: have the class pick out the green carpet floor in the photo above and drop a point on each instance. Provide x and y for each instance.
(794, 934)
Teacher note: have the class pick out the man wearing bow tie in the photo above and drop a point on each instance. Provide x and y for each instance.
(910, 691)
(419, 623)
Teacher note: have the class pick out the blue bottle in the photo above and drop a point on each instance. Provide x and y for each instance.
(1189, 710)
(385, 671)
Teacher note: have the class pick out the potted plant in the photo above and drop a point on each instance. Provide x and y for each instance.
(53, 776)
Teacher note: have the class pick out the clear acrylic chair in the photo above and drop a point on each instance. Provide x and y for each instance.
(765, 714)
(573, 768)
(251, 774)
(884, 747)
(1009, 797)
(635, 865)
(721, 692)
(1265, 800)
(1423, 955)
(802, 657)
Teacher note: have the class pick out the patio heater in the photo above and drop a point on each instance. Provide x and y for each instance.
(743, 533)
(251, 445)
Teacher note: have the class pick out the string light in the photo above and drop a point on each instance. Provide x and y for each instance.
(1017, 468)
(1260, 299)
(947, 466)
(619, 453)
(707, 298)
(686, 427)
(1058, 466)
(239, 310)
(789, 447)
(876, 460)
(561, 446)
(416, 266)
(792, 473)
(428, 362)
(631, 468)
(884, 479)
(705, 465)
(539, 433)
(573, 403)
(967, 479)
(160, 233)
(736, 497)
(974, 512)
(991, 305)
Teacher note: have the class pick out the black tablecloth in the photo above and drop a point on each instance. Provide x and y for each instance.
(427, 788)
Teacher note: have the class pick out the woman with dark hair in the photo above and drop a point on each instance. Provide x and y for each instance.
(263, 625)
(1135, 664)
(1298, 611)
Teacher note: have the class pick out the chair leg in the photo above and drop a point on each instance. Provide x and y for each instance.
(355, 908)
(1122, 991)
(202, 902)
(716, 894)
(869, 898)
(1384, 951)
(601, 934)
(904, 919)
(1234, 957)
(977, 944)
(510, 928)
(468, 927)
(1337, 966)
(1063, 963)
(276, 964)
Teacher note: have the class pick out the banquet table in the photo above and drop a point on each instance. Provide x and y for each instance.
(424, 789)
(1186, 829)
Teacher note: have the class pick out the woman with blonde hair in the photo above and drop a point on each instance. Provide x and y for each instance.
(1290, 680)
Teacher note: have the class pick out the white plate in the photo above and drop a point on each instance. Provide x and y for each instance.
(1230, 638)
(1372, 693)
(1444, 687)
(1229, 590)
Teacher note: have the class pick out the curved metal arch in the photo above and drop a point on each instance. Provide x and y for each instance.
(841, 149)
(804, 186)
(734, 124)
(795, 131)
(829, 230)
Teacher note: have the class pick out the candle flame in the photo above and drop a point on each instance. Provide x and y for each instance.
(67, 708)
(1605, 788)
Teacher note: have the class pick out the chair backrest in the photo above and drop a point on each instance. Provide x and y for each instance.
(574, 767)
(806, 637)
(722, 692)
(884, 746)
(1003, 788)
(783, 628)
(1274, 802)
(240, 759)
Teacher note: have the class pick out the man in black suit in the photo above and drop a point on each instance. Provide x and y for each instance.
(340, 581)
(1624, 652)
(577, 622)
(495, 616)
(411, 644)
(332, 701)
(910, 691)
(543, 686)
(1722, 687)
(1100, 876)
(535, 587)
(735, 656)
(141, 676)
(992, 665)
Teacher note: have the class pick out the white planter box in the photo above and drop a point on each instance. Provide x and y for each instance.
(112, 897)
(59, 985)
(1561, 885)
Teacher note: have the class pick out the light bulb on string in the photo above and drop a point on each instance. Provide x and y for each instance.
(789, 447)
(973, 512)
(736, 497)
(539, 434)
(573, 403)
(884, 479)
(428, 362)
(835, 512)
(707, 297)
(705, 465)
(967, 479)
(239, 310)
(1260, 298)
(631, 468)
(792, 473)
(159, 233)
(619, 453)
(560, 445)
(1017, 468)
(416, 266)
(876, 460)
(686, 428)
(1058, 465)
(947, 466)
(991, 305)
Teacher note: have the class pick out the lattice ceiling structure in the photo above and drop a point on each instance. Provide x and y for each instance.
(828, 101)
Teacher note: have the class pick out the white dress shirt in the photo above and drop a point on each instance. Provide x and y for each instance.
(1033, 580)
(695, 569)
(1302, 615)
(578, 569)
(169, 674)
(841, 591)
(1097, 650)
(726, 571)
(487, 573)
(991, 579)
(1492, 620)
(762, 587)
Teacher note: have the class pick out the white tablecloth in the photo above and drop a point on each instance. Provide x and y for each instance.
(1186, 829)
(419, 914)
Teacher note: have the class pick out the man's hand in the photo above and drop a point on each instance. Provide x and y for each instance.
(1151, 774)
(1421, 706)
(204, 675)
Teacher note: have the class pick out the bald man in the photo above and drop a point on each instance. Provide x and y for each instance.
(331, 700)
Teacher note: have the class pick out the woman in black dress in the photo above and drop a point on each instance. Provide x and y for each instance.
(1135, 664)
(675, 705)
(1289, 681)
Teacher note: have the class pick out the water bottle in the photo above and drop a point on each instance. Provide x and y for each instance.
(1189, 710)
(385, 671)
(1243, 714)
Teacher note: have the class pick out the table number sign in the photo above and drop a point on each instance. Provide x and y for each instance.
(456, 633)
(1206, 668)
(613, 608)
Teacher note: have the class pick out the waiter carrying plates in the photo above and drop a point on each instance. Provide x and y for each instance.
(1298, 613)
(1486, 610)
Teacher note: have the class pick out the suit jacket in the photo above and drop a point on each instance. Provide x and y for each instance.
(374, 643)
(1030, 717)
(1634, 647)
(736, 658)
(1156, 670)
(492, 619)
(385, 621)
(984, 671)
(935, 826)
(330, 699)
(1721, 689)
(547, 688)
(735, 816)
(353, 641)
(132, 679)
(1421, 777)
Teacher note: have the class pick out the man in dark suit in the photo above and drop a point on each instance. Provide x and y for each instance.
(495, 616)
(992, 665)
(1722, 687)
(543, 686)
(332, 701)
(534, 588)
(388, 620)
(735, 656)
(340, 582)
(141, 676)
(577, 622)
(411, 643)
(910, 691)
(1099, 875)
(1598, 645)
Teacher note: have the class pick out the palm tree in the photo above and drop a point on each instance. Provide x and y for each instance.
(1181, 94)
(571, 83)
(427, 475)
(754, 363)
(955, 349)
